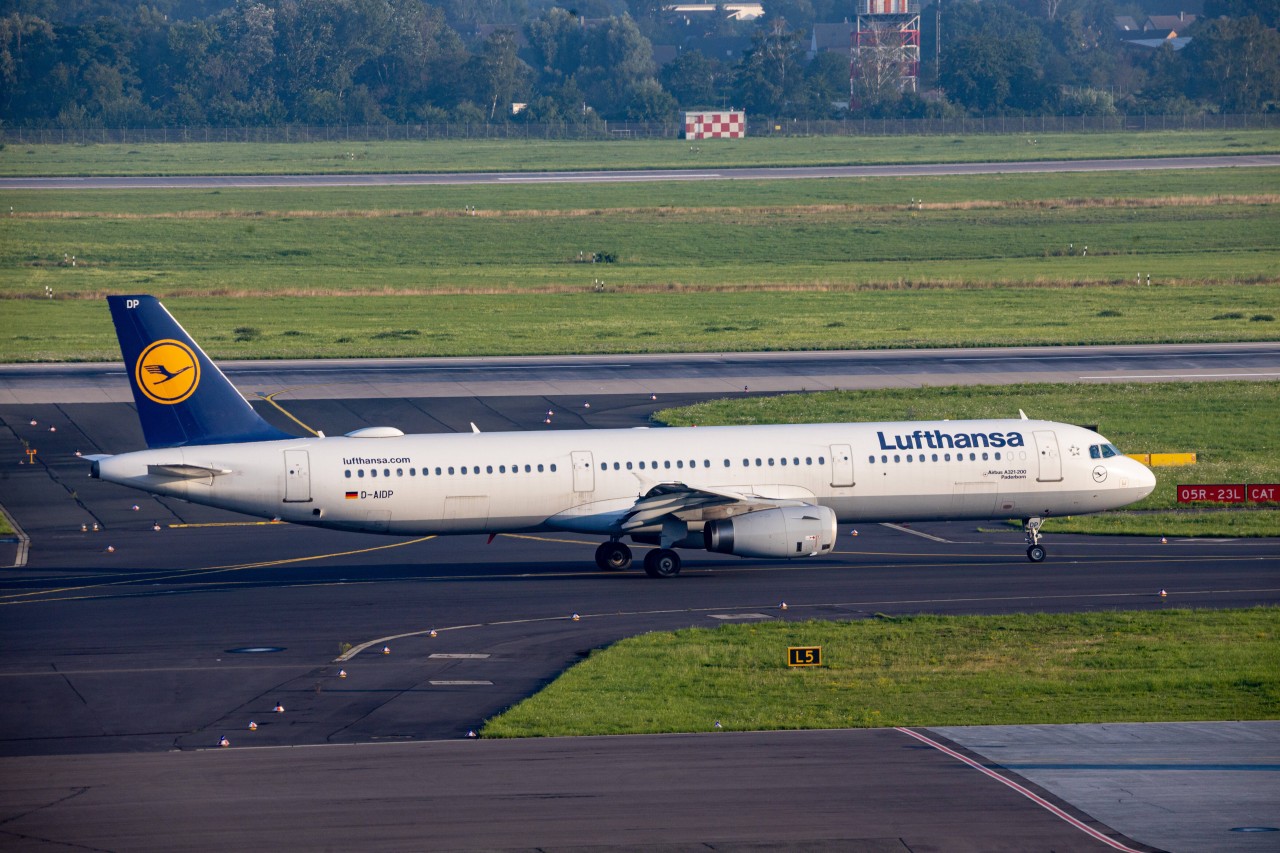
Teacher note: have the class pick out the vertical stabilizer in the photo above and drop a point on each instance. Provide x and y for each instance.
(182, 396)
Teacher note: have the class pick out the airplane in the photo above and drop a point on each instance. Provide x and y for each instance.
(772, 491)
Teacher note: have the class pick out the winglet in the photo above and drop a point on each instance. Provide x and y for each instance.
(182, 396)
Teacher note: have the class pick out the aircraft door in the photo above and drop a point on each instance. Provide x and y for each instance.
(584, 471)
(1050, 459)
(841, 465)
(297, 476)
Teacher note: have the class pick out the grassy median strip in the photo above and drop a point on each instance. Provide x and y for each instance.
(488, 155)
(1231, 426)
(1152, 666)
(662, 321)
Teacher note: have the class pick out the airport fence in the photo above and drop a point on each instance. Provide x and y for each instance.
(633, 130)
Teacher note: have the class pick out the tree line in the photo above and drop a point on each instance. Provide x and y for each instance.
(113, 63)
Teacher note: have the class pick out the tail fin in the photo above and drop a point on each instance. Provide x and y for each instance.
(182, 396)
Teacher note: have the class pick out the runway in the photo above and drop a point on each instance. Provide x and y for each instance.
(635, 176)
(182, 635)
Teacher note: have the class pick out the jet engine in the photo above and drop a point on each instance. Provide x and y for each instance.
(787, 532)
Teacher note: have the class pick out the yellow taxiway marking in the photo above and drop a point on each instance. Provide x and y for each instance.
(223, 524)
(271, 398)
(861, 605)
(17, 598)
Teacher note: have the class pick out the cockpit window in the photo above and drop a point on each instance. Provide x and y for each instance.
(1103, 451)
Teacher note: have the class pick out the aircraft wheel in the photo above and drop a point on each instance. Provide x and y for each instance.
(662, 563)
(1035, 554)
(613, 557)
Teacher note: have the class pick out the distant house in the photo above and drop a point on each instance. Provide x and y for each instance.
(724, 48)
(1167, 26)
(732, 11)
(830, 37)
(1156, 31)
(1127, 24)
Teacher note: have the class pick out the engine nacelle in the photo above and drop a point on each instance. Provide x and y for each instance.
(787, 532)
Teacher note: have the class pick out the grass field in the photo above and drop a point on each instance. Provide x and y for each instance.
(1231, 426)
(585, 322)
(465, 155)
(920, 671)
(840, 263)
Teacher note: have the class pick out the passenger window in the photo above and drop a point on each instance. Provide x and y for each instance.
(822, 460)
(450, 470)
(666, 463)
(782, 461)
(884, 459)
(348, 473)
(808, 460)
(527, 468)
(437, 471)
(984, 456)
(628, 466)
(360, 473)
(373, 472)
(935, 457)
(615, 466)
(399, 472)
(897, 458)
(553, 467)
(539, 468)
(770, 461)
(908, 457)
(726, 463)
(641, 464)
(871, 459)
(386, 472)
(758, 463)
(680, 463)
(463, 469)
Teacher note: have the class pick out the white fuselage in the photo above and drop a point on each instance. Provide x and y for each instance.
(586, 480)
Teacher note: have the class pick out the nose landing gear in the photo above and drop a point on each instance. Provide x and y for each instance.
(1035, 551)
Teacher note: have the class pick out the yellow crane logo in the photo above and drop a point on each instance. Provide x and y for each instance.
(168, 372)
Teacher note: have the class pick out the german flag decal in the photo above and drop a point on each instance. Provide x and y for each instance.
(352, 495)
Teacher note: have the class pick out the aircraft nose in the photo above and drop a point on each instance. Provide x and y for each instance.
(1144, 479)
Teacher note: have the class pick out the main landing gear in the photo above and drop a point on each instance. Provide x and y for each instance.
(662, 563)
(1035, 551)
(613, 556)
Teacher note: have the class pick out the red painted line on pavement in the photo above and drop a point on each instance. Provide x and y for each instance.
(1030, 795)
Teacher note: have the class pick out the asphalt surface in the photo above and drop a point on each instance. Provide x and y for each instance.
(635, 176)
(176, 637)
(668, 374)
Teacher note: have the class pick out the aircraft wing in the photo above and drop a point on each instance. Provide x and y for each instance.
(687, 503)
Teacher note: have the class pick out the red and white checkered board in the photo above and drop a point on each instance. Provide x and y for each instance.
(716, 126)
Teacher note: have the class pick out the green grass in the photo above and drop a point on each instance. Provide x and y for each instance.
(675, 321)
(1172, 226)
(951, 189)
(6, 529)
(1231, 426)
(920, 671)
(461, 155)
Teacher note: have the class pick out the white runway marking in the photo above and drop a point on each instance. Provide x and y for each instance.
(902, 529)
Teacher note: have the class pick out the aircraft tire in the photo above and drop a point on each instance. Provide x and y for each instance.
(662, 563)
(613, 557)
(1036, 554)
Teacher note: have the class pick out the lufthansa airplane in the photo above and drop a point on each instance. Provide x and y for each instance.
(774, 492)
